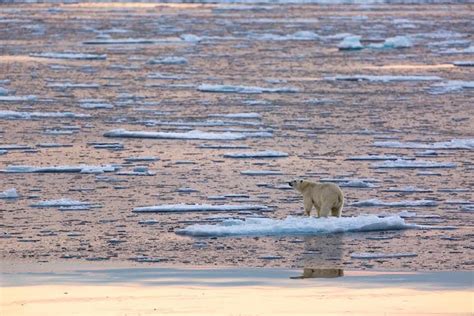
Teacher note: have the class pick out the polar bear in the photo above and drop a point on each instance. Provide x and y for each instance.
(327, 198)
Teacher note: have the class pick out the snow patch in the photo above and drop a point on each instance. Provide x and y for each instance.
(30, 115)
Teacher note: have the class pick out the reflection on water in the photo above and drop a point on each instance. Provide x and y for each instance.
(310, 273)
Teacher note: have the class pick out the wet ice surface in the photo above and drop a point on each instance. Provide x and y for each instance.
(142, 106)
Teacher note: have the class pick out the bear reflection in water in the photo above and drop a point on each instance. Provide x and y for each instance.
(309, 273)
(323, 256)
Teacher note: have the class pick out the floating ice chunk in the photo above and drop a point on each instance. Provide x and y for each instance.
(378, 255)
(3, 91)
(159, 75)
(374, 157)
(167, 208)
(130, 41)
(297, 36)
(195, 134)
(92, 104)
(171, 60)
(377, 202)
(452, 144)
(357, 184)
(464, 63)
(9, 194)
(238, 116)
(70, 85)
(408, 214)
(351, 42)
(14, 98)
(296, 226)
(257, 154)
(398, 42)
(140, 159)
(55, 169)
(243, 89)
(413, 164)
(60, 203)
(80, 56)
(261, 172)
(3, 152)
(467, 50)
(190, 38)
(14, 147)
(408, 189)
(386, 78)
(31, 115)
(224, 146)
(451, 86)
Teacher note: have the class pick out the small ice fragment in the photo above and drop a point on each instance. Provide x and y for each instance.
(166, 208)
(377, 202)
(171, 60)
(258, 154)
(243, 89)
(351, 42)
(377, 255)
(9, 194)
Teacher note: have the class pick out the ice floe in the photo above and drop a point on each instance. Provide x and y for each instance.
(297, 36)
(190, 38)
(464, 63)
(351, 42)
(141, 159)
(357, 184)
(170, 60)
(58, 169)
(450, 86)
(413, 164)
(378, 255)
(30, 115)
(377, 202)
(382, 78)
(167, 208)
(60, 203)
(255, 116)
(451, 144)
(374, 157)
(17, 98)
(130, 41)
(195, 134)
(257, 154)
(72, 85)
(80, 56)
(9, 194)
(394, 42)
(243, 89)
(467, 50)
(293, 225)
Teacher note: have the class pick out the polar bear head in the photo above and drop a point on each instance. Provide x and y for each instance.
(299, 185)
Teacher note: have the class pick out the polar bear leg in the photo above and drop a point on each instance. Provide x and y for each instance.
(308, 205)
(325, 210)
(336, 211)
